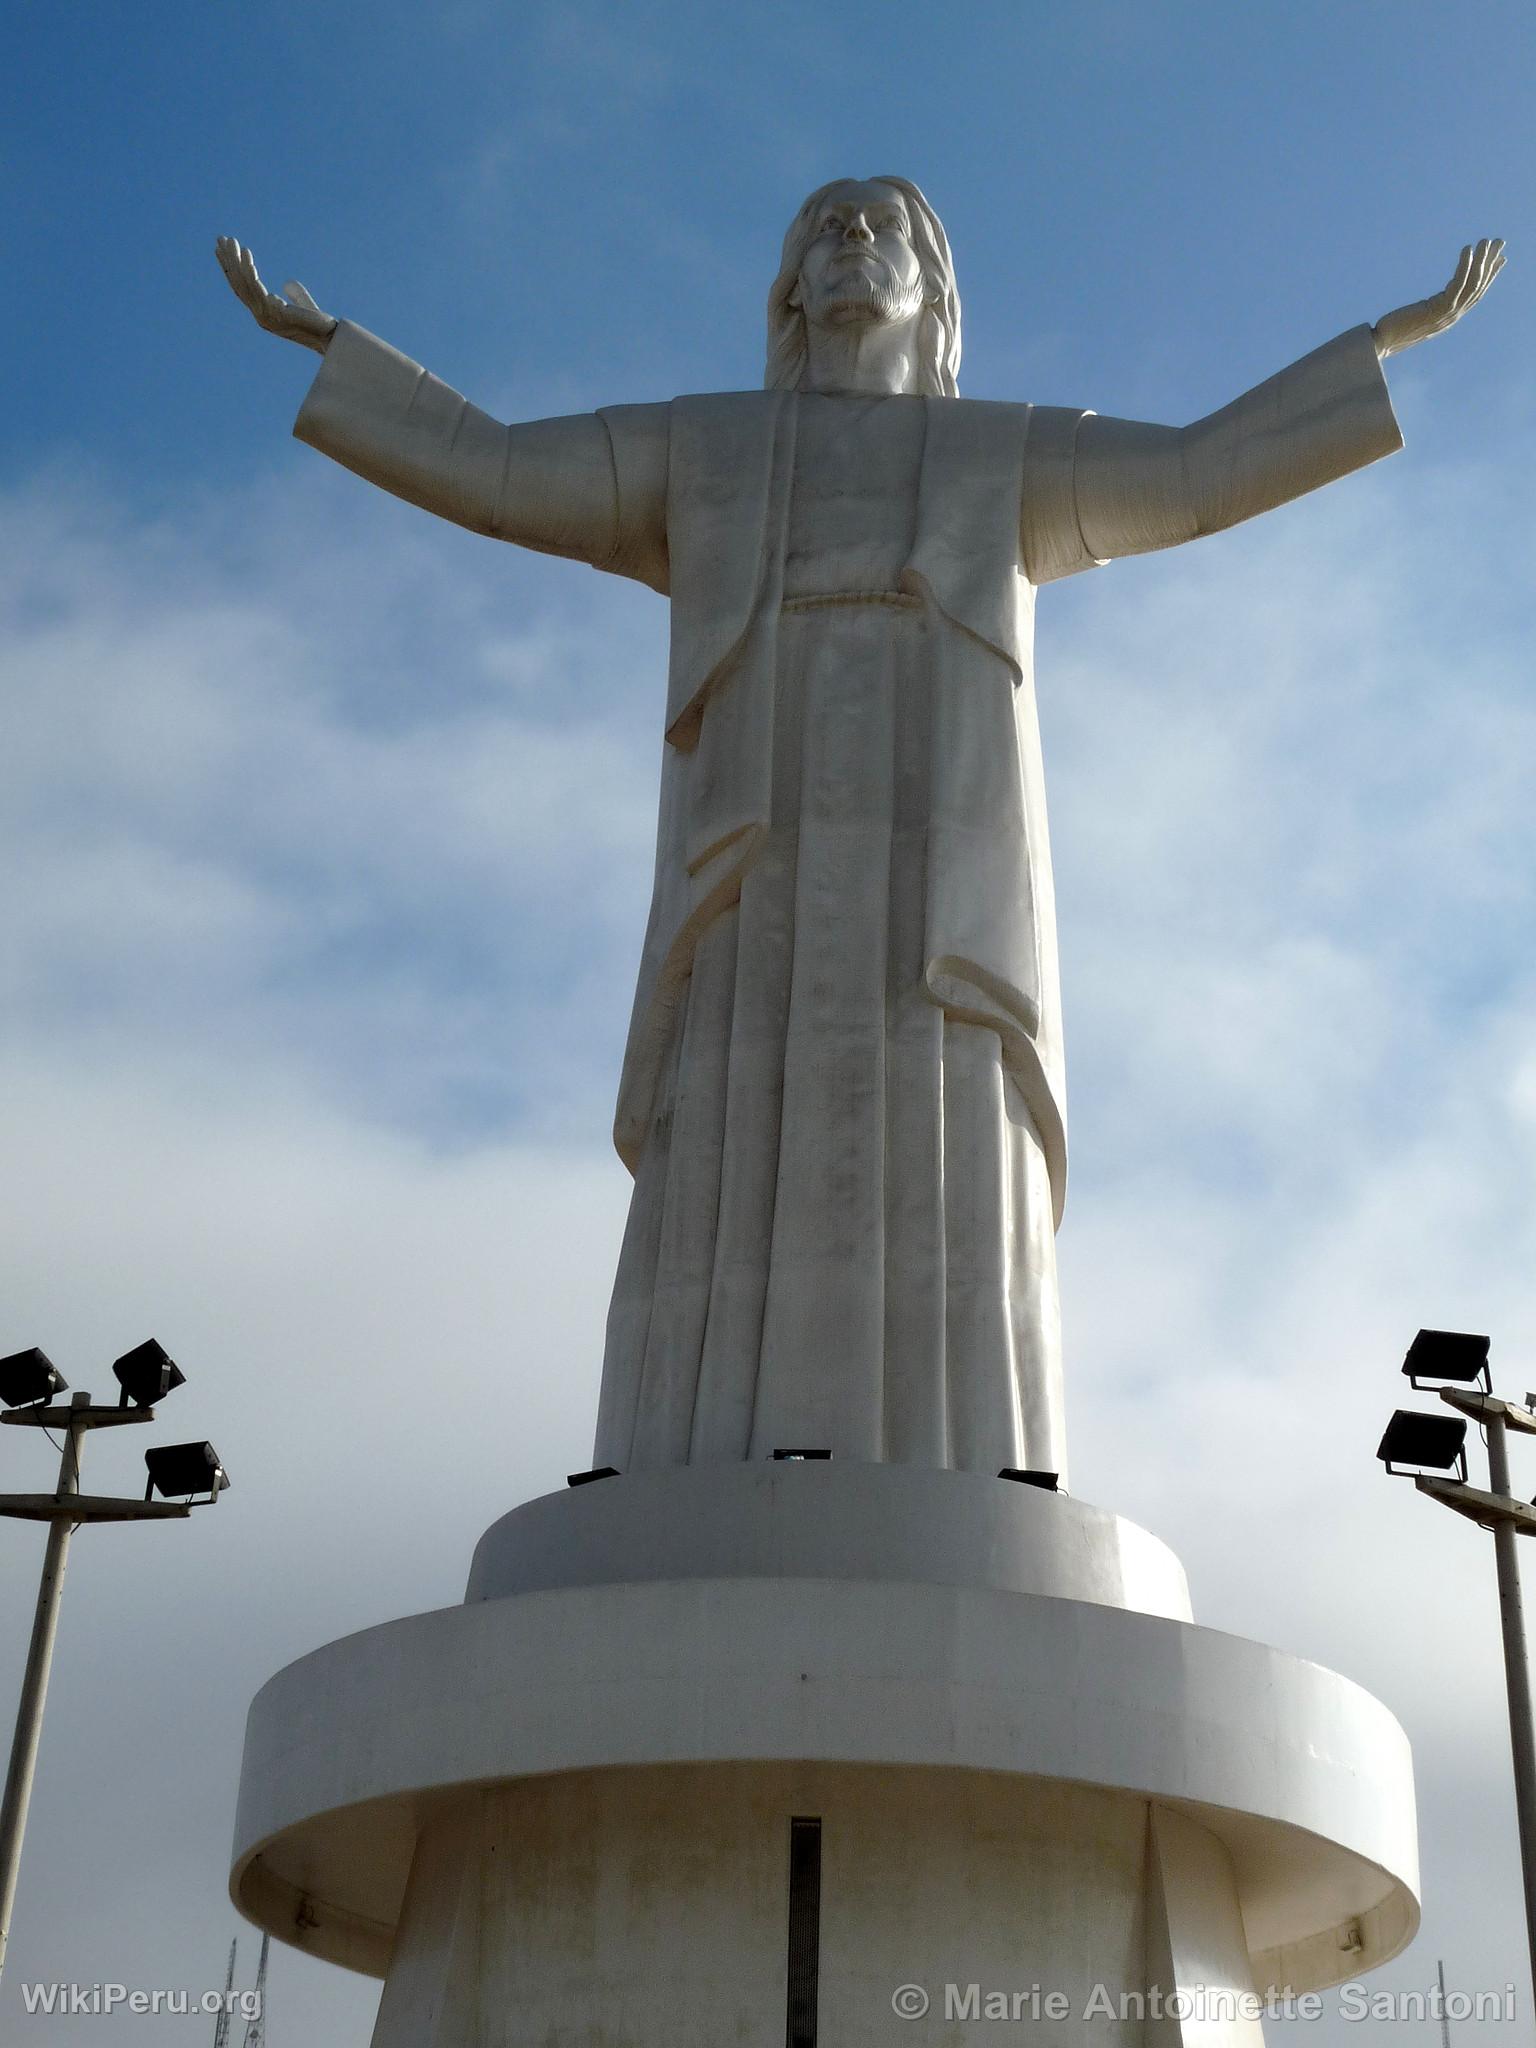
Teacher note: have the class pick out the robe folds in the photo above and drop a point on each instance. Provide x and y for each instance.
(697, 499)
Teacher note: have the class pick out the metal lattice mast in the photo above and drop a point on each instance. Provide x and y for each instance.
(256, 2029)
(221, 2024)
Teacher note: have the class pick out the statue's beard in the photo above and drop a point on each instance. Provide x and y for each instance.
(858, 298)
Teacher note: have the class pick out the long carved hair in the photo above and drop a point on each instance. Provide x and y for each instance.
(938, 331)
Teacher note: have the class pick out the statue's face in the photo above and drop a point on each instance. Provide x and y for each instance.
(860, 265)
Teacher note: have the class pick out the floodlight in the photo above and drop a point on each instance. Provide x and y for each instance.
(1049, 1482)
(147, 1374)
(1435, 1442)
(27, 1377)
(1451, 1356)
(586, 1478)
(794, 1457)
(179, 1470)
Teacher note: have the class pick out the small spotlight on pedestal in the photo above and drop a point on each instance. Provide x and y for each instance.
(28, 1377)
(178, 1471)
(1447, 1358)
(1048, 1482)
(147, 1374)
(1419, 1443)
(586, 1478)
(793, 1457)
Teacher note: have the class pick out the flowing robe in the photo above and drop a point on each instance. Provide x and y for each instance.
(842, 1094)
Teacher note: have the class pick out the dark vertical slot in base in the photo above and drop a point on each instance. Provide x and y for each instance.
(804, 1933)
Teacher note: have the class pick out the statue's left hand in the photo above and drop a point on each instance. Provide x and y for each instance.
(291, 313)
(1480, 264)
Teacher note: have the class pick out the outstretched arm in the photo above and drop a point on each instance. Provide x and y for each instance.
(561, 486)
(1136, 486)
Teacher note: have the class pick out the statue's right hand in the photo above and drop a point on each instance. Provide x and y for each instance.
(295, 317)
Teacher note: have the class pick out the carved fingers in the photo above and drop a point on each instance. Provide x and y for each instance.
(1480, 264)
(295, 317)
(1476, 268)
(239, 268)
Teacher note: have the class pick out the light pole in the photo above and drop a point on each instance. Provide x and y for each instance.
(1458, 1365)
(28, 1383)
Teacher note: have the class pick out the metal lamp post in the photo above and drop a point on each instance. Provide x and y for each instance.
(28, 1383)
(1458, 1364)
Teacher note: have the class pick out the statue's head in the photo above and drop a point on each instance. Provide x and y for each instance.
(866, 250)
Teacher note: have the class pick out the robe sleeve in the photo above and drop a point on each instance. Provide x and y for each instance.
(575, 486)
(1135, 486)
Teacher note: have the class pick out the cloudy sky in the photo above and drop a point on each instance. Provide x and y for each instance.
(326, 830)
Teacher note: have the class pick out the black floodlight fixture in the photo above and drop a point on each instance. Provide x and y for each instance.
(177, 1471)
(28, 1377)
(147, 1374)
(586, 1478)
(794, 1457)
(1048, 1482)
(1447, 1358)
(1418, 1443)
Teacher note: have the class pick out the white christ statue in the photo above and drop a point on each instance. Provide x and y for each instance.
(842, 1094)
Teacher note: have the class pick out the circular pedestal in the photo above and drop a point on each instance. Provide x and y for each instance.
(814, 1520)
(657, 1906)
(613, 1738)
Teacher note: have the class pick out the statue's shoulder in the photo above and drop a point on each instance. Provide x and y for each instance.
(729, 436)
(737, 407)
(1001, 410)
(1015, 413)
(728, 407)
(1041, 437)
(976, 438)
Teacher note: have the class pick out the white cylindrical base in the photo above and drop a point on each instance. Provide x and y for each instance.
(655, 1906)
(561, 1813)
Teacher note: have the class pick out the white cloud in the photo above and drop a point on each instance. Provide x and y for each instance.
(379, 829)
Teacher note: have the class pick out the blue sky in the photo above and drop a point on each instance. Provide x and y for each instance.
(1152, 199)
(327, 830)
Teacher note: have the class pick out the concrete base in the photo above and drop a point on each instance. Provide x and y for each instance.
(651, 1905)
(881, 1524)
(561, 1812)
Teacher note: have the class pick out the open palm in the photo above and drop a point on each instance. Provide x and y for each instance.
(291, 313)
(1479, 264)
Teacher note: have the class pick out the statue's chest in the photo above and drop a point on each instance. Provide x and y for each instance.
(853, 504)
